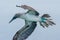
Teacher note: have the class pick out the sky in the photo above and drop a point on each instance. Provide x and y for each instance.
(8, 9)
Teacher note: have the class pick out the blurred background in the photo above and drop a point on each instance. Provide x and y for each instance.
(8, 9)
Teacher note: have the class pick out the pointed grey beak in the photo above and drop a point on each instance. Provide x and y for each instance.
(16, 16)
(12, 19)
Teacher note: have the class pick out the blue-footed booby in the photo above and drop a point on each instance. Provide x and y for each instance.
(31, 18)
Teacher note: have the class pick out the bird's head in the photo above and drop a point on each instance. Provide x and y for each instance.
(16, 16)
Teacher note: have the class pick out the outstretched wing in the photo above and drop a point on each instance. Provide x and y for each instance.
(24, 33)
(33, 12)
(30, 9)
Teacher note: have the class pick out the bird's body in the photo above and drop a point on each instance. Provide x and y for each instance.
(31, 18)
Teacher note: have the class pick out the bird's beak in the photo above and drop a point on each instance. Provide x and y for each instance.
(13, 19)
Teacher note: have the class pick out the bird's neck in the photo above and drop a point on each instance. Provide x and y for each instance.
(22, 16)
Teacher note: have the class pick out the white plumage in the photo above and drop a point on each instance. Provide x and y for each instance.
(31, 18)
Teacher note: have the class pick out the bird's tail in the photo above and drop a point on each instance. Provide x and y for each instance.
(46, 21)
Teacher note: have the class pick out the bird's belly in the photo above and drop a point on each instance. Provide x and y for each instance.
(31, 18)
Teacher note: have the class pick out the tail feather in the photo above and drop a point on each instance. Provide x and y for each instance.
(46, 21)
(46, 24)
(46, 15)
(52, 22)
(42, 24)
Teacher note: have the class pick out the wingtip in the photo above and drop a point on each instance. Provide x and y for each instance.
(18, 6)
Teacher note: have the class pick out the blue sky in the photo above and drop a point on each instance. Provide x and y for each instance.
(8, 10)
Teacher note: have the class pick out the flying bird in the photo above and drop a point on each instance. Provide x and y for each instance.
(31, 18)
